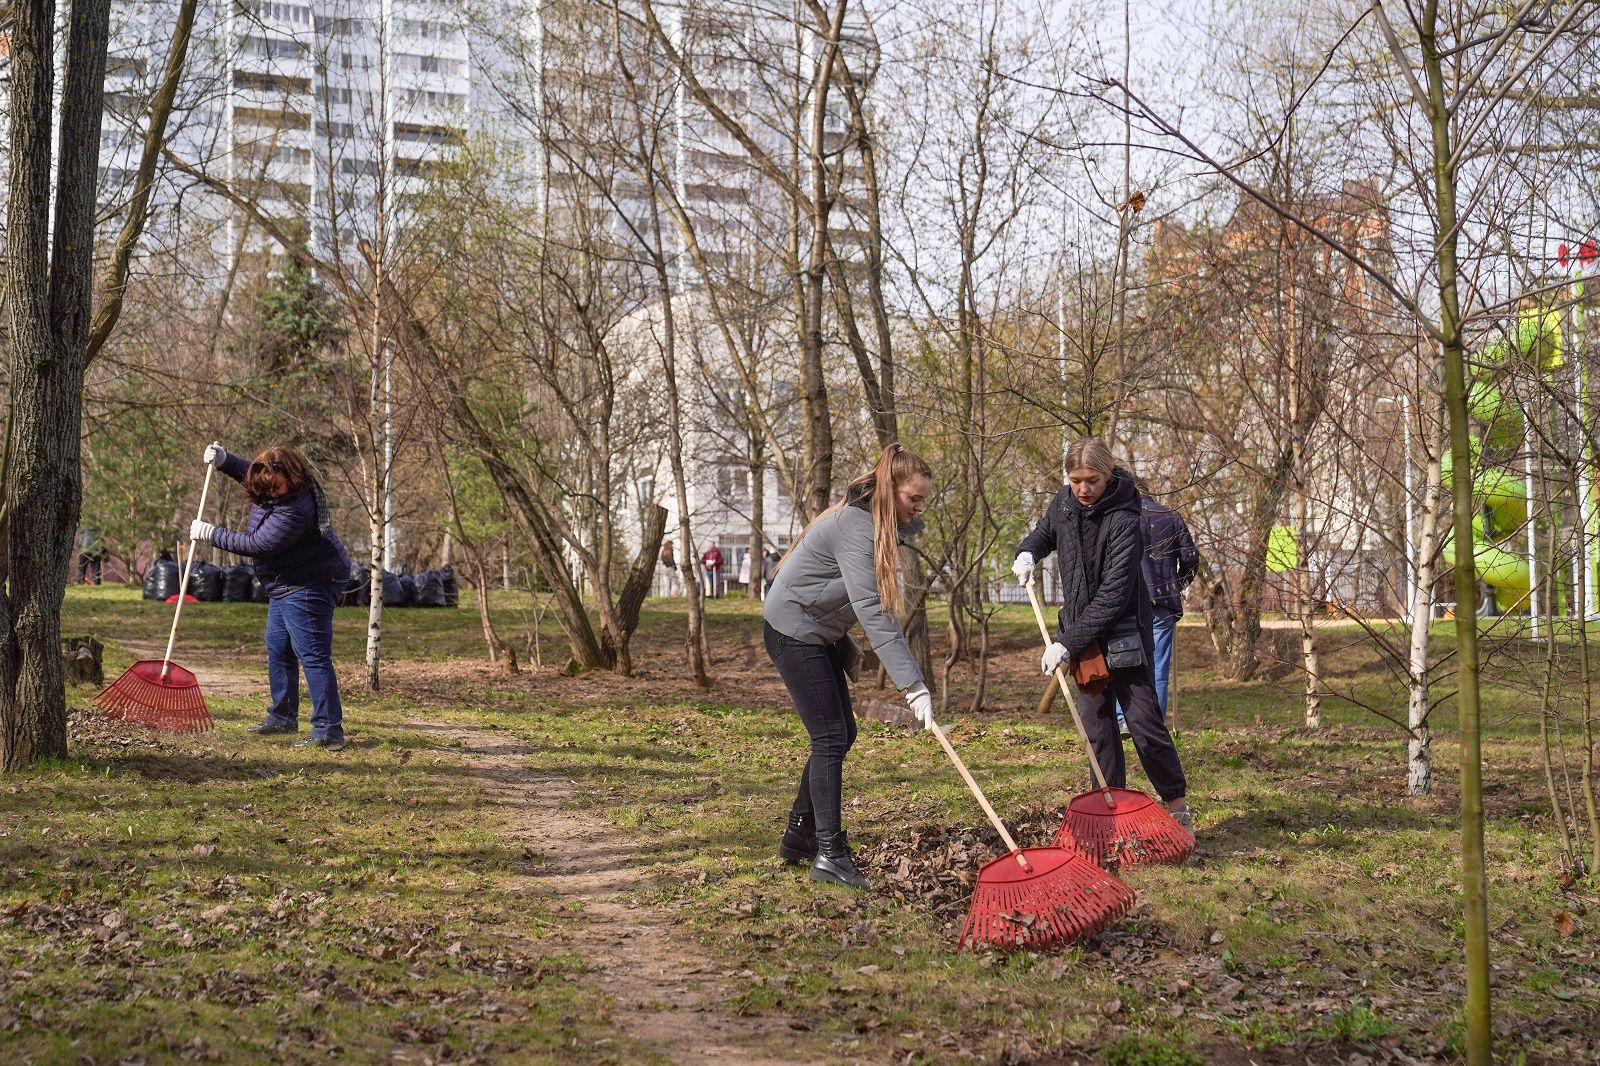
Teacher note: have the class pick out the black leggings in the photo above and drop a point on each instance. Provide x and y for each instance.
(814, 676)
(1135, 689)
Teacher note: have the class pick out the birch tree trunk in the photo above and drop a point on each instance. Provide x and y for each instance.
(1419, 745)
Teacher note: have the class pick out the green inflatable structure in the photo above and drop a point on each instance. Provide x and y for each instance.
(1500, 556)
(1499, 545)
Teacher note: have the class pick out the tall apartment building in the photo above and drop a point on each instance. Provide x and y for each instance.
(754, 59)
(304, 105)
(317, 110)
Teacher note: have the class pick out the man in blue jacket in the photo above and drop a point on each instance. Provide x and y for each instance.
(1169, 564)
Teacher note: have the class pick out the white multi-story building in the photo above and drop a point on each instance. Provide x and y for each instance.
(317, 111)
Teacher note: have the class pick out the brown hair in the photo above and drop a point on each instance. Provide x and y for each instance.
(279, 471)
(895, 466)
(1090, 453)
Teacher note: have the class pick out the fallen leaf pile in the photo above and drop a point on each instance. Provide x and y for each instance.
(934, 867)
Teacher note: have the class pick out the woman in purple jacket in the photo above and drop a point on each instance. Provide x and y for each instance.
(303, 566)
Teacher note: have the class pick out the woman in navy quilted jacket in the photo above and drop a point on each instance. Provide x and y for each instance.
(303, 566)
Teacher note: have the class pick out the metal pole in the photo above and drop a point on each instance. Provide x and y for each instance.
(1582, 565)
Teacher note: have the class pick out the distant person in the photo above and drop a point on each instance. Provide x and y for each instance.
(1094, 527)
(1170, 560)
(1169, 565)
(92, 554)
(670, 564)
(303, 566)
(744, 571)
(844, 569)
(711, 565)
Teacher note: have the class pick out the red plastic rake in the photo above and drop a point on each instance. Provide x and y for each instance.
(162, 693)
(1115, 827)
(1036, 897)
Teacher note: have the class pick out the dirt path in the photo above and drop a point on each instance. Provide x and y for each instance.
(669, 994)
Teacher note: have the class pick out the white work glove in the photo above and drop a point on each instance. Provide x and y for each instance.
(1023, 568)
(920, 700)
(200, 531)
(1054, 656)
(214, 453)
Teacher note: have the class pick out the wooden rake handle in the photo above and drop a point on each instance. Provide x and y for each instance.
(983, 801)
(1066, 690)
(183, 586)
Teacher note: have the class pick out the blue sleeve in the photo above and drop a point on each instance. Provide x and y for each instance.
(282, 527)
(235, 466)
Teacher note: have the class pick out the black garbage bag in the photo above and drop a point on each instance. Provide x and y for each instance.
(430, 589)
(161, 580)
(396, 593)
(452, 591)
(408, 590)
(357, 588)
(205, 582)
(236, 581)
(258, 591)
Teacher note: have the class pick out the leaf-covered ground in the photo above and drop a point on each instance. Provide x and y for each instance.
(228, 898)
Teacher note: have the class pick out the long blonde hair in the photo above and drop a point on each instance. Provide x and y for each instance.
(895, 466)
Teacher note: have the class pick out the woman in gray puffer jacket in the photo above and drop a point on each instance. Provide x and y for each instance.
(843, 570)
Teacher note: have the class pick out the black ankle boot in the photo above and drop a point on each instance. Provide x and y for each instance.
(799, 843)
(835, 864)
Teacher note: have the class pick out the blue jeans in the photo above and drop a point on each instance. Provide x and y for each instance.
(1162, 623)
(300, 636)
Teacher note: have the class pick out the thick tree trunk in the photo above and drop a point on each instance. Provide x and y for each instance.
(48, 290)
(618, 623)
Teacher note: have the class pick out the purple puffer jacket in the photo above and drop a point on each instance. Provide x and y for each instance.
(292, 539)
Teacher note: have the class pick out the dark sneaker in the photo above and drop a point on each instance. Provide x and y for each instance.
(834, 863)
(267, 729)
(799, 843)
(322, 742)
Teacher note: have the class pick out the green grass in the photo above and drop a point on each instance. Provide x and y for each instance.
(1325, 909)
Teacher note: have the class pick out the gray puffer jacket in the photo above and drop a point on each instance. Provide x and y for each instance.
(828, 582)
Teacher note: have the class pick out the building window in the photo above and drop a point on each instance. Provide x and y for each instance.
(733, 482)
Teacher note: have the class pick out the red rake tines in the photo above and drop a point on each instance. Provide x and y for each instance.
(1119, 827)
(1116, 827)
(159, 692)
(1035, 897)
(142, 696)
(1061, 899)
